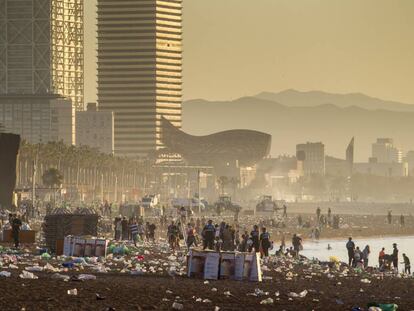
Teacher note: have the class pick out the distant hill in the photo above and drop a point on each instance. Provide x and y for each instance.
(332, 124)
(293, 98)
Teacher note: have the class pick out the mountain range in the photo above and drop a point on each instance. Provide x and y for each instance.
(293, 117)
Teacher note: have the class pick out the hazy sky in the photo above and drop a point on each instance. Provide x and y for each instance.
(234, 48)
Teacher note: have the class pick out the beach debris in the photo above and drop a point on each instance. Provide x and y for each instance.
(5, 274)
(99, 297)
(302, 294)
(86, 277)
(34, 269)
(27, 275)
(72, 292)
(267, 301)
(177, 306)
(61, 277)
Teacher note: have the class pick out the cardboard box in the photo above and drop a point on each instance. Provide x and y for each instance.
(239, 261)
(101, 246)
(79, 247)
(255, 269)
(211, 266)
(89, 250)
(195, 264)
(227, 265)
(68, 245)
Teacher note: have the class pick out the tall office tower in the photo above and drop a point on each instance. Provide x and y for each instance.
(139, 70)
(41, 50)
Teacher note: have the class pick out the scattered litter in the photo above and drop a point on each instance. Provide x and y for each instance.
(27, 275)
(73, 292)
(177, 306)
(302, 294)
(85, 277)
(5, 274)
(267, 301)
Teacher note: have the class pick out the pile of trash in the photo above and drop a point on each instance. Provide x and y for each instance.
(145, 258)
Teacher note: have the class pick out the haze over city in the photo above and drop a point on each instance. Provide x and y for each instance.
(235, 48)
(206, 155)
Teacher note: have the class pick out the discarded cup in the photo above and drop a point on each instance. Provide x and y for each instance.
(73, 292)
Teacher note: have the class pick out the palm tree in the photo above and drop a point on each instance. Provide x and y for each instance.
(52, 177)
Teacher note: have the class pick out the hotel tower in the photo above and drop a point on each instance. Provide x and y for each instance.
(140, 70)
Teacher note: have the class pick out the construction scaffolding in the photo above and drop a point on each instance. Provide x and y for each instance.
(41, 48)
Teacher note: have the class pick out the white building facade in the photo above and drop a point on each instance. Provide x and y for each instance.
(95, 129)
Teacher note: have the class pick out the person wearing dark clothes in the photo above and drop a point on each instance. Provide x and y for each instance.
(284, 211)
(265, 242)
(191, 239)
(16, 224)
(254, 235)
(208, 235)
(296, 242)
(125, 227)
(407, 265)
(395, 256)
(350, 246)
(152, 227)
(318, 214)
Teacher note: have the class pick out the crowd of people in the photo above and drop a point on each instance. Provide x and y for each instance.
(235, 235)
(133, 229)
(386, 262)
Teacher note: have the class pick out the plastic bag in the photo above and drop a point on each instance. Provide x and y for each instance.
(85, 277)
(27, 275)
(5, 274)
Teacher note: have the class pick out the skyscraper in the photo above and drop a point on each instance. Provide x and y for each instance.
(41, 50)
(140, 70)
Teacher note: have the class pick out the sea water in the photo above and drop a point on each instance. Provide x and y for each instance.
(319, 248)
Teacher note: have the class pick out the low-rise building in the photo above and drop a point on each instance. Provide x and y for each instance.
(382, 169)
(312, 155)
(40, 118)
(95, 129)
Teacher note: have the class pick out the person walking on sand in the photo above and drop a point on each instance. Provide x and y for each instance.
(350, 246)
(133, 227)
(395, 257)
(365, 255)
(357, 258)
(16, 224)
(381, 256)
(296, 242)
(318, 214)
(284, 211)
(265, 242)
(389, 217)
(208, 235)
(254, 235)
(191, 239)
(407, 265)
